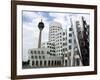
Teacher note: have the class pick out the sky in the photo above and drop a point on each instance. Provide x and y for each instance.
(30, 20)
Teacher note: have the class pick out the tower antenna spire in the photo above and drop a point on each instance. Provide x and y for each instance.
(41, 20)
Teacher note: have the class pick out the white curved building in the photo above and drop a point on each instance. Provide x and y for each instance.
(54, 27)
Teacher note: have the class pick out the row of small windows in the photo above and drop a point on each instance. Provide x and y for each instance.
(59, 40)
(35, 52)
(52, 37)
(70, 41)
(51, 47)
(52, 50)
(50, 53)
(53, 63)
(65, 38)
(62, 50)
(50, 44)
(59, 37)
(52, 40)
(59, 33)
(41, 63)
(58, 50)
(70, 35)
(52, 27)
(53, 32)
(58, 43)
(59, 47)
(37, 57)
(60, 54)
(64, 44)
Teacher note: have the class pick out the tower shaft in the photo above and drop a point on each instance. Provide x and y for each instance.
(39, 41)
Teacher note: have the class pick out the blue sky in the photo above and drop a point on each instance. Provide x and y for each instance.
(30, 20)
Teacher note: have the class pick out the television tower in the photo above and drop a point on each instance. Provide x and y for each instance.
(40, 26)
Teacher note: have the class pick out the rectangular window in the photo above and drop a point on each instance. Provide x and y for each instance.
(34, 52)
(63, 33)
(66, 49)
(31, 57)
(63, 39)
(42, 52)
(70, 35)
(31, 52)
(70, 41)
(38, 52)
(70, 29)
(70, 47)
(77, 62)
(35, 57)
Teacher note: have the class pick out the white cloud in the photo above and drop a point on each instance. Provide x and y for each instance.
(63, 18)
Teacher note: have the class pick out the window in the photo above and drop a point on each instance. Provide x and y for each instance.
(42, 52)
(55, 62)
(63, 33)
(40, 63)
(70, 29)
(48, 52)
(52, 63)
(31, 52)
(45, 63)
(39, 52)
(35, 52)
(77, 62)
(84, 51)
(32, 62)
(82, 43)
(64, 44)
(63, 49)
(49, 63)
(70, 47)
(36, 57)
(32, 57)
(74, 41)
(37, 63)
(63, 39)
(66, 49)
(66, 62)
(70, 35)
(70, 41)
(43, 57)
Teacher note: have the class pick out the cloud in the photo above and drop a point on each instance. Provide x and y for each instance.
(63, 18)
